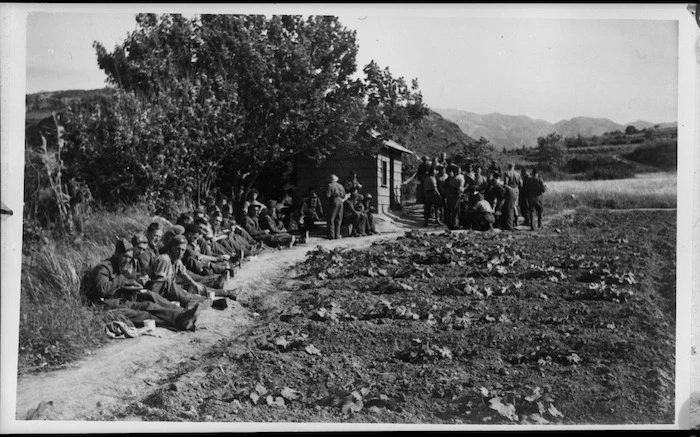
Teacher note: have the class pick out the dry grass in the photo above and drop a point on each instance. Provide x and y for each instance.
(55, 326)
(649, 190)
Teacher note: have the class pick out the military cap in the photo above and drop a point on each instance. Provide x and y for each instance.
(138, 238)
(123, 246)
(177, 240)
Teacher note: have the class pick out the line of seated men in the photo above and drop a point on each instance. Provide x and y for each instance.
(166, 275)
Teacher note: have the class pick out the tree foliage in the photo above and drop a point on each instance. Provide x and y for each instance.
(205, 100)
(551, 152)
(479, 152)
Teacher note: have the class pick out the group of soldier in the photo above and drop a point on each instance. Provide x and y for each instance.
(347, 208)
(462, 197)
(170, 273)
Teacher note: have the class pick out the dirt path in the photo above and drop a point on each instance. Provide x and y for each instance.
(126, 370)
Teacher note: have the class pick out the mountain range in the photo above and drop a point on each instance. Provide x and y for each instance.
(514, 131)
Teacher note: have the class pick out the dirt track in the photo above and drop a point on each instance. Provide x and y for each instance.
(126, 369)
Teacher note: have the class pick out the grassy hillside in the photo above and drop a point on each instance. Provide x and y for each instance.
(614, 155)
(434, 135)
(41, 105)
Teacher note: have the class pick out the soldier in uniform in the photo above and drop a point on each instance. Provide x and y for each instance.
(110, 284)
(512, 179)
(535, 188)
(311, 210)
(522, 198)
(455, 188)
(335, 195)
(432, 200)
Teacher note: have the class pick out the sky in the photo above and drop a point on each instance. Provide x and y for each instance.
(529, 64)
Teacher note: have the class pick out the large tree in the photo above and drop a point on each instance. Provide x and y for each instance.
(203, 100)
(551, 153)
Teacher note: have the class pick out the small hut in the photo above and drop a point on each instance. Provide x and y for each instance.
(379, 174)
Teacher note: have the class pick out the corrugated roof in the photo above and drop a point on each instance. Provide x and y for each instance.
(397, 146)
(390, 143)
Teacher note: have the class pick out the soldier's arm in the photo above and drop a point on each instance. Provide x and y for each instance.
(103, 286)
(181, 271)
(159, 270)
(192, 263)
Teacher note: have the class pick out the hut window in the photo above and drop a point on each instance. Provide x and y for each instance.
(385, 173)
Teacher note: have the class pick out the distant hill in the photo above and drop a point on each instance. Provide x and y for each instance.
(434, 135)
(514, 131)
(41, 105)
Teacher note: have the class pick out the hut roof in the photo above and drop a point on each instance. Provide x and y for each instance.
(390, 143)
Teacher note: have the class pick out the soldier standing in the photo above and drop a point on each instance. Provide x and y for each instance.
(335, 193)
(511, 179)
(535, 188)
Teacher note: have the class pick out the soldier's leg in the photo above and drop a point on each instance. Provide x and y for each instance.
(330, 220)
(137, 312)
(186, 299)
(152, 296)
(361, 224)
(338, 219)
(426, 212)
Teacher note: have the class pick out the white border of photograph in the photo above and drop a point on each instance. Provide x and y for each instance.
(13, 18)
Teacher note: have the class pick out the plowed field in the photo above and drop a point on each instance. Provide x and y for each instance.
(572, 324)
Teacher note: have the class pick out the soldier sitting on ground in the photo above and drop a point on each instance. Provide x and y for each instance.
(205, 270)
(352, 218)
(252, 225)
(268, 221)
(311, 210)
(169, 268)
(154, 236)
(370, 210)
(231, 239)
(110, 284)
(483, 217)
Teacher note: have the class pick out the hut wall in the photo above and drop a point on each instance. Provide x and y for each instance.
(375, 173)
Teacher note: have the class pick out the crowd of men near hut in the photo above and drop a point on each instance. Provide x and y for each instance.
(464, 197)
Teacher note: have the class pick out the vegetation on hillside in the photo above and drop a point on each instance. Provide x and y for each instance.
(614, 155)
(43, 104)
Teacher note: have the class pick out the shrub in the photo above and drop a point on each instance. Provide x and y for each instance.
(662, 154)
(622, 171)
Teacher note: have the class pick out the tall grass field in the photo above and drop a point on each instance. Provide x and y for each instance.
(645, 190)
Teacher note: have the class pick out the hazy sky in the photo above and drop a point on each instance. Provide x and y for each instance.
(542, 67)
